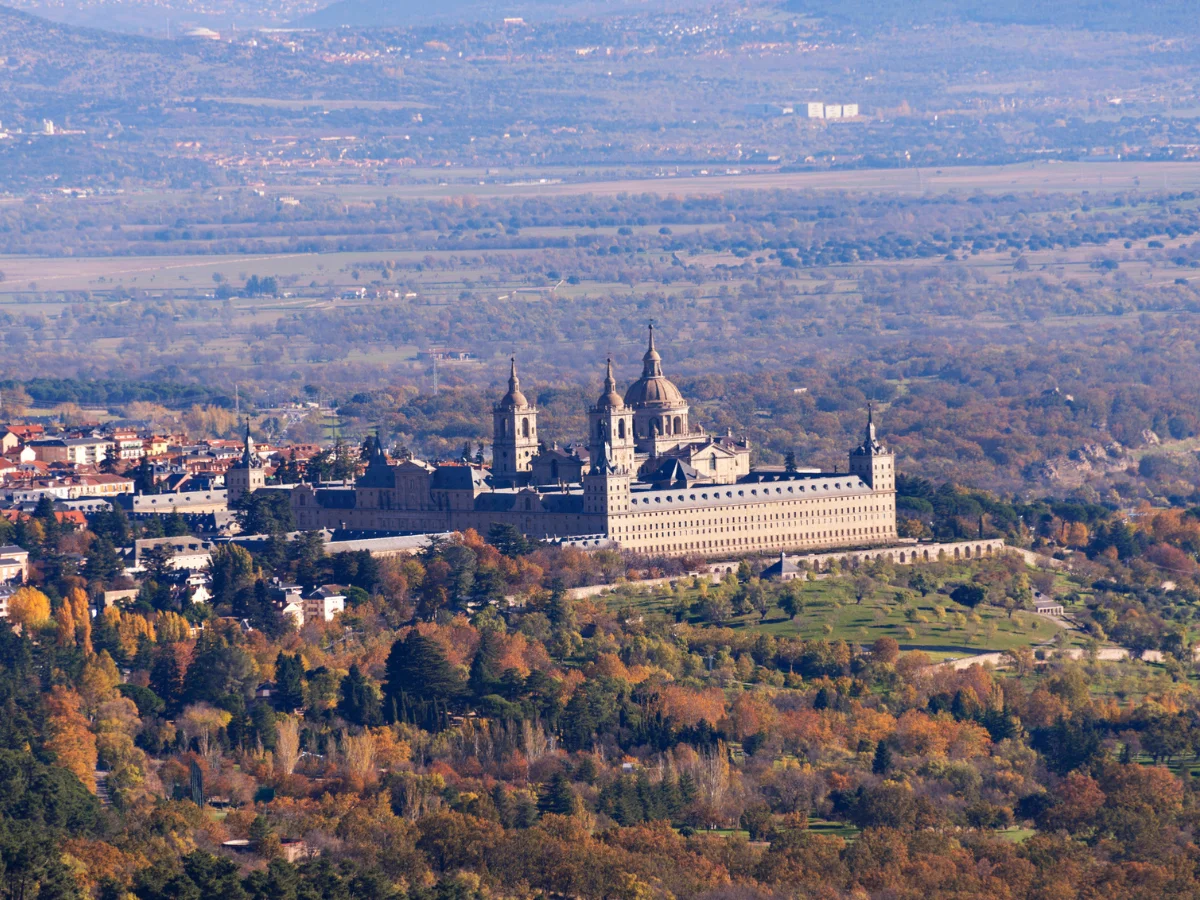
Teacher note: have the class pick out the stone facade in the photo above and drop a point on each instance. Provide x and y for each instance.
(652, 482)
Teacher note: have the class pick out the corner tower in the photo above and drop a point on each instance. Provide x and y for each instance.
(872, 462)
(514, 432)
(610, 427)
(605, 491)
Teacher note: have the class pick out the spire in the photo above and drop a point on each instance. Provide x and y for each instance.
(514, 397)
(249, 459)
(651, 362)
(610, 399)
(870, 444)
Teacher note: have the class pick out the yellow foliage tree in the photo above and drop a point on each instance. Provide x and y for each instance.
(98, 681)
(64, 621)
(171, 628)
(68, 736)
(131, 629)
(29, 607)
(83, 619)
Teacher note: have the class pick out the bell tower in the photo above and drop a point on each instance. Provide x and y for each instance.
(610, 422)
(514, 433)
(247, 475)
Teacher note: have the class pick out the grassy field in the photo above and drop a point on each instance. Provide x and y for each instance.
(933, 623)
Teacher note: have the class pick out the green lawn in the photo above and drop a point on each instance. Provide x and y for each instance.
(831, 611)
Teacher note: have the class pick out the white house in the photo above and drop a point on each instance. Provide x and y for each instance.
(323, 603)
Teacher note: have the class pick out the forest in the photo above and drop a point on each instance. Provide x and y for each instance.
(472, 727)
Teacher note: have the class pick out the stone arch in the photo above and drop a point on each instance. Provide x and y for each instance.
(621, 429)
(676, 425)
(926, 556)
(967, 552)
(525, 427)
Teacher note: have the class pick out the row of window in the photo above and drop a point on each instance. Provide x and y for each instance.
(790, 540)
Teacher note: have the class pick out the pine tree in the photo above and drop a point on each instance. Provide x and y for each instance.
(289, 683)
(485, 672)
(883, 758)
(559, 797)
(417, 671)
(358, 703)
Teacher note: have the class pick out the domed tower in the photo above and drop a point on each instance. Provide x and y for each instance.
(247, 475)
(873, 462)
(660, 414)
(514, 433)
(610, 427)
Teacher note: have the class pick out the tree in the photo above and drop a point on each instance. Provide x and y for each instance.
(791, 601)
(559, 797)
(29, 608)
(883, 758)
(265, 512)
(289, 682)
(760, 600)
(509, 540)
(68, 736)
(864, 586)
(156, 559)
(166, 677)
(418, 673)
(103, 564)
(358, 700)
(968, 594)
(201, 723)
(287, 744)
(922, 582)
(230, 569)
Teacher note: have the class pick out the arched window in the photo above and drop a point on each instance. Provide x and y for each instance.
(524, 428)
(655, 426)
(677, 425)
(504, 427)
(621, 429)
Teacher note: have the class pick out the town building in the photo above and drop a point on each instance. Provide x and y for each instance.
(323, 603)
(655, 483)
(14, 564)
(190, 553)
(80, 451)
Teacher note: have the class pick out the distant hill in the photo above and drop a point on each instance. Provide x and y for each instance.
(1165, 17)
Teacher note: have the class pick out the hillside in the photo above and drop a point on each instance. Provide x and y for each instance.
(1167, 18)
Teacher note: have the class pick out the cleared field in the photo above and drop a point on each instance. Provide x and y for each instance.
(316, 103)
(1071, 177)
